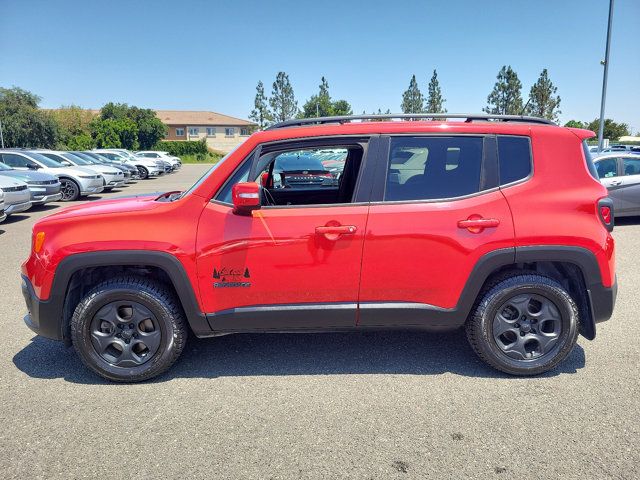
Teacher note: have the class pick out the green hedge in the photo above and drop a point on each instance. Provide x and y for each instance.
(182, 147)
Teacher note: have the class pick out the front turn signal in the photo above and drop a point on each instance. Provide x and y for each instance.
(38, 242)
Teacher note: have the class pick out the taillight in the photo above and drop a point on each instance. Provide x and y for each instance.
(605, 211)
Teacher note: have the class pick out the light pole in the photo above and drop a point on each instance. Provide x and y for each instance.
(604, 78)
(1, 136)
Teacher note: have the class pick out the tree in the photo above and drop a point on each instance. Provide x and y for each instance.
(575, 124)
(260, 113)
(115, 133)
(74, 131)
(321, 105)
(543, 101)
(23, 123)
(341, 107)
(147, 128)
(505, 99)
(612, 130)
(283, 102)
(412, 98)
(435, 102)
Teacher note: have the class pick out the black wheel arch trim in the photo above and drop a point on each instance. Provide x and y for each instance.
(599, 300)
(47, 316)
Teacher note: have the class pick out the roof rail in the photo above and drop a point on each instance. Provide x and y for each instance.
(468, 117)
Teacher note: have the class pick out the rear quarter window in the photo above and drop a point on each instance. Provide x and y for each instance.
(514, 157)
(588, 158)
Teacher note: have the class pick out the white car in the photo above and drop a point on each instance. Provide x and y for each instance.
(74, 181)
(17, 196)
(174, 161)
(113, 178)
(146, 166)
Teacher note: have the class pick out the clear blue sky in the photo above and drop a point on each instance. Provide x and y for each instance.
(209, 55)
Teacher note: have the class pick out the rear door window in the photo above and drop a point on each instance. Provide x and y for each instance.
(631, 166)
(607, 168)
(431, 168)
(514, 156)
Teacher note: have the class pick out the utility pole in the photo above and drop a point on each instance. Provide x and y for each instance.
(604, 78)
(1, 136)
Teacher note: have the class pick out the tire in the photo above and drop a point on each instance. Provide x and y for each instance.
(70, 190)
(536, 338)
(144, 173)
(110, 326)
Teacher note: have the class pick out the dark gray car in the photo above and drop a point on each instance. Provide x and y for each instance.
(620, 173)
(44, 187)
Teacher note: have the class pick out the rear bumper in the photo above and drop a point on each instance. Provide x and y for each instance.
(42, 318)
(602, 300)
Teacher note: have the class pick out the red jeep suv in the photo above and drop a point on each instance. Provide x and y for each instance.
(498, 224)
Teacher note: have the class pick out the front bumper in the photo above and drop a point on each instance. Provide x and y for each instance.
(114, 184)
(89, 190)
(17, 207)
(41, 317)
(42, 199)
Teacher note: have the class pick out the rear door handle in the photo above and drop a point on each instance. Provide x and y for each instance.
(477, 225)
(616, 182)
(337, 230)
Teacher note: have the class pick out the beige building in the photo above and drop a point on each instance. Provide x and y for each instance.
(222, 132)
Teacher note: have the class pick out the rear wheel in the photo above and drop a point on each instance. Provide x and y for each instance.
(129, 329)
(525, 324)
(70, 190)
(144, 173)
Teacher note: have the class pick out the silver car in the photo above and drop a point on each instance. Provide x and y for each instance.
(113, 178)
(620, 173)
(3, 216)
(17, 197)
(74, 181)
(44, 187)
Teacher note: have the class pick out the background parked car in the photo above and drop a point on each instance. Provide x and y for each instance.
(133, 172)
(146, 167)
(17, 197)
(112, 177)
(3, 216)
(165, 156)
(620, 173)
(44, 187)
(74, 181)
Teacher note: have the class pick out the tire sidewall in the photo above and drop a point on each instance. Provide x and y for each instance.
(560, 350)
(77, 187)
(81, 333)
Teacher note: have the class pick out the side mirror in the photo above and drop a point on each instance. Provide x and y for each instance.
(246, 197)
(33, 166)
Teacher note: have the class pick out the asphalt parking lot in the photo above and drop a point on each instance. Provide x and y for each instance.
(365, 406)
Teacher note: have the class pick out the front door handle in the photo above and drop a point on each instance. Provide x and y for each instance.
(616, 182)
(478, 224)
(337, 230)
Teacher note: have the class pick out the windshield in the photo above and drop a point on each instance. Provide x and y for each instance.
(4, 167)
(86, 158)
(46, 161)
(209, 172)
(75, 159)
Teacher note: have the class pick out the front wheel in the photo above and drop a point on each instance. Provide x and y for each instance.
(129, 329)
(144, 173)
(70, 190)
(525, 324)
